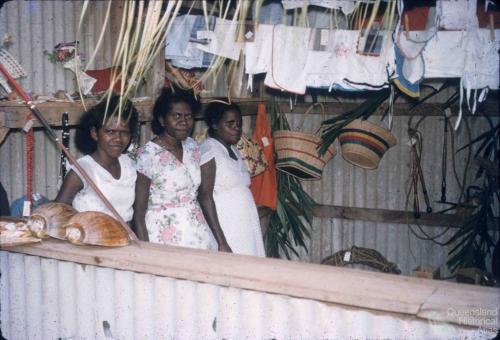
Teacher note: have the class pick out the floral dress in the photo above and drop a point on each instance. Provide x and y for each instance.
(174, 215)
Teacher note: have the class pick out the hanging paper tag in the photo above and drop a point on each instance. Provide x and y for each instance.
(26, 208)
(265, 141)
(249, 36)
(324, 36)
(27, 127)
(205, 35)
(347, 256)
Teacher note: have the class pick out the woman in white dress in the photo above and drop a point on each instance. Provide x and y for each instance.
(103, 134)
(166, 209)
(225, 182)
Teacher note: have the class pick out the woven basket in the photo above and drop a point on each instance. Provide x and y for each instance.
(297, 152)
(363, 143)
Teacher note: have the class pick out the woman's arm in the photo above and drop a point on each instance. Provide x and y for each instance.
(140, 206)
(206, 199)
(70, 187)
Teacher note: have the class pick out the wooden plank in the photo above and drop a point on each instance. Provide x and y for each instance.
(390, 216)
(344, 286)
(13, 114)
(489, 108)
(464, 311)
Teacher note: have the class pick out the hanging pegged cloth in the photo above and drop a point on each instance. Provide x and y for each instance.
(264, 185)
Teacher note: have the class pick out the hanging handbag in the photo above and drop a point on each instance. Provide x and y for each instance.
(253, 156)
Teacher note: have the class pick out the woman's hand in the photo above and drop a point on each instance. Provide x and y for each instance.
(224, 246)
(140, 206)
(206, 199)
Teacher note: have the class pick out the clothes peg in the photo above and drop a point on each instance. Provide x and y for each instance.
(407, 26)
(492, 27)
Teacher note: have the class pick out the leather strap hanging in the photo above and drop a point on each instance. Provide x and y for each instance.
(444, 160)
(417, 173)
(65, 142)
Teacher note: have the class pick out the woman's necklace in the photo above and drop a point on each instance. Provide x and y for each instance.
(169, 146)
(176, 149)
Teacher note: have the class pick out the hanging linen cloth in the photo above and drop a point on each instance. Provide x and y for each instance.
(182, 40)
(444, 55)
(258, 52)
(222, 40)
(455, 14)
(342, 67)
(408, 48)
(347, 6)
(481, 67)
(290, 46)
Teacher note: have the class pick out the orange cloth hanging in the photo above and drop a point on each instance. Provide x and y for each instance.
(264, 185)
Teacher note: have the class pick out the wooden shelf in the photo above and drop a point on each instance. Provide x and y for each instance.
(391, 216)
(14, 114)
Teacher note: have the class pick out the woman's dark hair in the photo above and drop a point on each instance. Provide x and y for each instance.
(98, 116)
(215, 110)
(163, 106)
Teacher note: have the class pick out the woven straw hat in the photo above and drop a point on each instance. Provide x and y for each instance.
(363, 143)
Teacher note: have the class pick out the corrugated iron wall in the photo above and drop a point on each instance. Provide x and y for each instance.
(386, 188)
(342, 184)
(43, 24)
(49, 299)
(35, 27)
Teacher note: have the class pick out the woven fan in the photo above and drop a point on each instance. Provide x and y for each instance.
(13, 67)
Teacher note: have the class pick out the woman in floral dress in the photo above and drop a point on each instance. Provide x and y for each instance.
(166, 208)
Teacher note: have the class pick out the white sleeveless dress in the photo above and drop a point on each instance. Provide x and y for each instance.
(119, 192)
(234, 202)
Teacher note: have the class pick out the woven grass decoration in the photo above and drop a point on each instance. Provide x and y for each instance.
(359, 255)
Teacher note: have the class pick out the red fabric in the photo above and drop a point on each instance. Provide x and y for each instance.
(417, 18)
(264, 185)
(28, 152)
(103, 80)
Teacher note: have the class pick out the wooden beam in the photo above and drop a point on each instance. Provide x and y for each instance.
(391, 216)
(13, 114)
(342, 286)
(488, 108)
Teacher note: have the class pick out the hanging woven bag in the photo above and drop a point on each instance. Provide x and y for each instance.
(297, 152)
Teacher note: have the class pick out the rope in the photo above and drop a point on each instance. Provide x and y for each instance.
(359, 255)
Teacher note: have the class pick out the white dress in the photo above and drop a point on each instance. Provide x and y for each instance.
(119, 192)
(174, 215)
(236, 210)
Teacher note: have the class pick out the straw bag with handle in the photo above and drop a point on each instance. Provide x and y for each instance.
(252, 155)
(297, 152)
